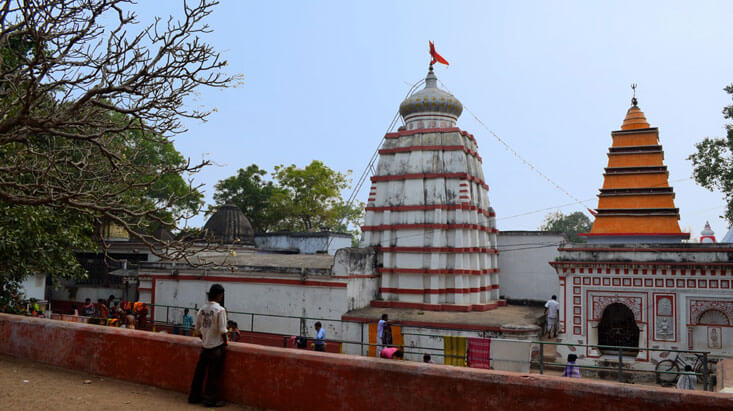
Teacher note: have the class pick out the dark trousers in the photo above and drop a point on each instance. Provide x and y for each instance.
(211, 360)
(320, 347)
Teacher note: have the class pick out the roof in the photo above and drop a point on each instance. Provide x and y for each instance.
(229, 225)
(318, 261)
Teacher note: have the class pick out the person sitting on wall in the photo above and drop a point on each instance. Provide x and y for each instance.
(116, 311)
(319, 344)
(211, 323)
(687, 381)
(102, 308)
(110, 300)
(141, 310)
(571, 370)
(392, 353)
(87, 310)
(129, 321)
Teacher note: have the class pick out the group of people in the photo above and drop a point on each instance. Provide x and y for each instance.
(384, 343)
(123, 314)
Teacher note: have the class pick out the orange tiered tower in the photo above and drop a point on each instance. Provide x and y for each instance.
(636, 203)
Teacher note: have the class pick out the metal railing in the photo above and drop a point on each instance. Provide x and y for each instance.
(288, 325)
(702, 372)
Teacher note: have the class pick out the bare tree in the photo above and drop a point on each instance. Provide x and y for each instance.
(82, 104)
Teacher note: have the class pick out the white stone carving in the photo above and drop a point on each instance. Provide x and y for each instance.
(600, 302)
(698, 307)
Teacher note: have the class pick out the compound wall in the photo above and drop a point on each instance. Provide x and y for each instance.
(276, 378)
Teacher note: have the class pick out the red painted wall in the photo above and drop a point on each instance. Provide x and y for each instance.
(277, 378)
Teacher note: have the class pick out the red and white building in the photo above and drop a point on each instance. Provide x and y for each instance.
(636, 284)
(428, 212)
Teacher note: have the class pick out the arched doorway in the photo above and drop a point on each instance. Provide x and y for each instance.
(618, 327)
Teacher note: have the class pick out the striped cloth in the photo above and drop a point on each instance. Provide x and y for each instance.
(479, 350)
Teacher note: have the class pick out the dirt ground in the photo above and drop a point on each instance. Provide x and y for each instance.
(27, 385)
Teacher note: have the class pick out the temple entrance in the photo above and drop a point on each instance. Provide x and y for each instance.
(618, 327)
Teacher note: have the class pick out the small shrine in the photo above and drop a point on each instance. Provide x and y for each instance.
(635, 284)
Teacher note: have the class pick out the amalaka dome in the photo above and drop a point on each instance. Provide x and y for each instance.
(430, 107)
(428, 213)
(229, 225)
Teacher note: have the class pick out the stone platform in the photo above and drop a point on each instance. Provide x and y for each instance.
(514, 319)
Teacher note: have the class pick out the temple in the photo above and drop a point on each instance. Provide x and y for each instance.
(707, 235)
(428, 212)
(636, 203)
(635, 284)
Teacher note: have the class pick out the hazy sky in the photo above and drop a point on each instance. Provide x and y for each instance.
(322, 80)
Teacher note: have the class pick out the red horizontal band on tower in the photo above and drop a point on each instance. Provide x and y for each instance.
(439, 250)
(386, 227)
(463, 206)
(430, 148)
(439, 291)
(462, 176)
(435, 271)
(431, 130)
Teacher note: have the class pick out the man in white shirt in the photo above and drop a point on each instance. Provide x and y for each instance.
(211, 326)
(552, 311)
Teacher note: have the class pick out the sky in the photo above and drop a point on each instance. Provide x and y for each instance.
(322, 80)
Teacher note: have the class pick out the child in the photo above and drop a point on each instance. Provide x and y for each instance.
(233, 331)
(571, 370)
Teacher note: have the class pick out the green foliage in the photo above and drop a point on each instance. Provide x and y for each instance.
(713, 162)
(570, 224)
(41, 239)
(299, 199)
(254, 196)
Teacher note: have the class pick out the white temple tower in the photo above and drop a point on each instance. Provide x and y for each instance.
(428, 212)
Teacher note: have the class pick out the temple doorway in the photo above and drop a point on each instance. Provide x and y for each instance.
(618, 327)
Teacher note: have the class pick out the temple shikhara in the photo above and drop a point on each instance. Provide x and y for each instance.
(635, 283)
(636, 203)
(428, 212)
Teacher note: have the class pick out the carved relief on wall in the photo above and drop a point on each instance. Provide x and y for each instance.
(664, 321)
(715, 338)
(699, 307)
(600, 302)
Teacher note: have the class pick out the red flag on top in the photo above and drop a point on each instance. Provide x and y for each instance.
(436, 57)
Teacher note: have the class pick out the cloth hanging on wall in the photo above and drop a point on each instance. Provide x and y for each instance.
(479, 352)
(454, 349)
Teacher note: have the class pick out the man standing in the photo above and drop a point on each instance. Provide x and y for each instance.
(380, 333)
(320, 342)
(552, 312)
(211, 326)
(187, 321)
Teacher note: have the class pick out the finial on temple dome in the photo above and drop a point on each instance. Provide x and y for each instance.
(634, 101)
